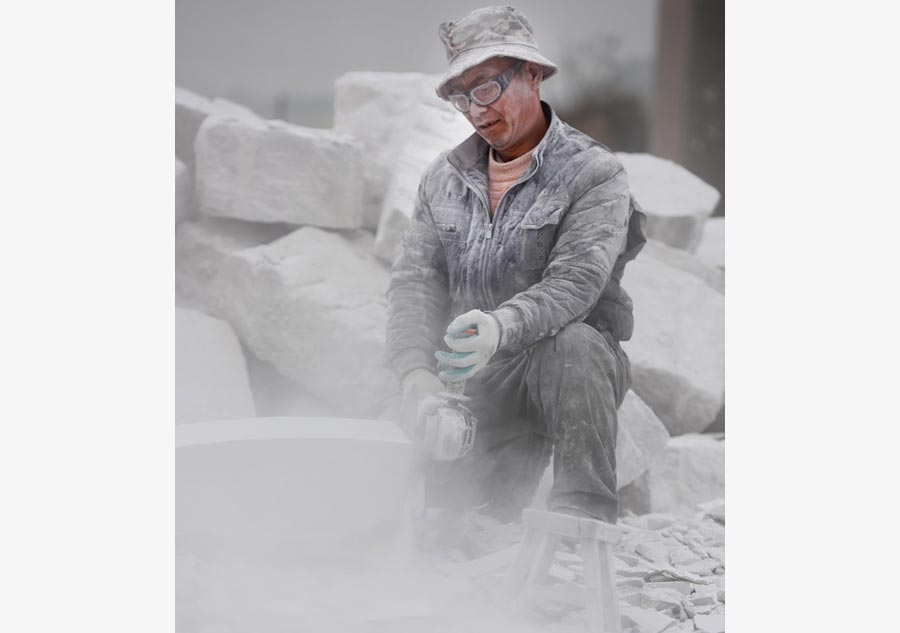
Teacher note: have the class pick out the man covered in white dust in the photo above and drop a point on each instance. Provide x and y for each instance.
(508, 279)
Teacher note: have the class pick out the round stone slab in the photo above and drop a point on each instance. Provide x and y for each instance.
(310, 484)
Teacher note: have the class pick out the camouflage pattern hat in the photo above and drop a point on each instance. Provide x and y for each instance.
(486, 33)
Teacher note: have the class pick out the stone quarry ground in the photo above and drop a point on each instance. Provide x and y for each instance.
(446, 577)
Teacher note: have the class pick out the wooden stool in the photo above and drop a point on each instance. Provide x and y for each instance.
(543, 531)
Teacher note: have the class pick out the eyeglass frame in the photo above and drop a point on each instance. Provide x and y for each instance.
(503, 80)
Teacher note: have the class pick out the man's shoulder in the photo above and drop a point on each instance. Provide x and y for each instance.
(581, 153)
(437, 174)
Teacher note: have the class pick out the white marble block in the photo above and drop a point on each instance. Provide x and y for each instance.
(677, 351)
(278, 172)
(676, 201)
(211, 380)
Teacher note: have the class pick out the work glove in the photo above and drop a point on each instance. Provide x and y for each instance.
(420, 383)
(473, 337)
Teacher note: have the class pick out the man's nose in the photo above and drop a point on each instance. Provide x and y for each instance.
(477, 111)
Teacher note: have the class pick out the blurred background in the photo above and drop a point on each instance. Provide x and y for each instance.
(637, 75)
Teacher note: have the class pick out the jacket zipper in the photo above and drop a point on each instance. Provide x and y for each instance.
(489, 225)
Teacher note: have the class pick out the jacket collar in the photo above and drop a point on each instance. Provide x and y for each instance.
(472, 153)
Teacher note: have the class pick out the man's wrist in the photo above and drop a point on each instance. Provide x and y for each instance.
(507, 318)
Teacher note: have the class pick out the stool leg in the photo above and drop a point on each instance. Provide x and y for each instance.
(608, 591)
(518, 572)
(592, 585)
(544, 559)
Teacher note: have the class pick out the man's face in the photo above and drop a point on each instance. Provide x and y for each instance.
(503, 123)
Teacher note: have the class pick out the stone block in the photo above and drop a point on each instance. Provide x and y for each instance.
(288, 486)
(712, 623)
(210, 372)
(382, 110)
(646, 620)
(690, 471)
(676, 201)
(711, 250)
(312, 305)
(277, 172)
(435, 130)
(191, 110)
(184, 193)
(202, 246)
(677, 351)
(682, 260)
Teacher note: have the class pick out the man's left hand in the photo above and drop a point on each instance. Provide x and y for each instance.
(473, 349)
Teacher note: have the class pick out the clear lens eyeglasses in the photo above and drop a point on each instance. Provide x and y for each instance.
(486, 93)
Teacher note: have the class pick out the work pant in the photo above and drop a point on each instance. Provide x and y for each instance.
(559, 397)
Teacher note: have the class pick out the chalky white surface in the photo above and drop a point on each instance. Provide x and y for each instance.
(689, 471)
(278, 172)
(677, 351)
(191, 110)
(676, 201)
(210, 373)
(383, 111)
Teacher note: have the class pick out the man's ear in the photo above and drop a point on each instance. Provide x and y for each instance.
(534, 73)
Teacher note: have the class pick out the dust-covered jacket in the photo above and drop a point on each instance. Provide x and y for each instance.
(553, 254)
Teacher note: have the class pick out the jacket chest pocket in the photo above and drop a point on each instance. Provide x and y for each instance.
(538, 231)
(451, 232)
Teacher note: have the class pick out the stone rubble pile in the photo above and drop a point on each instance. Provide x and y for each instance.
(670, 571)
(287, 233)
(670, 567)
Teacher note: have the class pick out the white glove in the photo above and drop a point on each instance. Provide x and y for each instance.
(420, 383)
(472, 350)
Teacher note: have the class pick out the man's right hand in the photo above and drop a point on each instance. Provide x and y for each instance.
(420, 383)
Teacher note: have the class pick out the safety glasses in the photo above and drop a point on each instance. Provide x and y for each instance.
(486, 93)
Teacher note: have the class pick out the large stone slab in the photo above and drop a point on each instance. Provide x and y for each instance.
(313, 305)
(641, 437)
(278, 172)
(682, 260)
(676, 201)
(383, 110)
(690, 471)
(289, 486)
(184, 193)
(711, 250)
(434, 131)
(677, 351)
(210, 372)
(191, 110)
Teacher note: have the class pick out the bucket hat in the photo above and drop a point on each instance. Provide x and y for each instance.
(485, 33)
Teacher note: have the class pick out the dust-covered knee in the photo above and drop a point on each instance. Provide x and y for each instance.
(578, 345)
